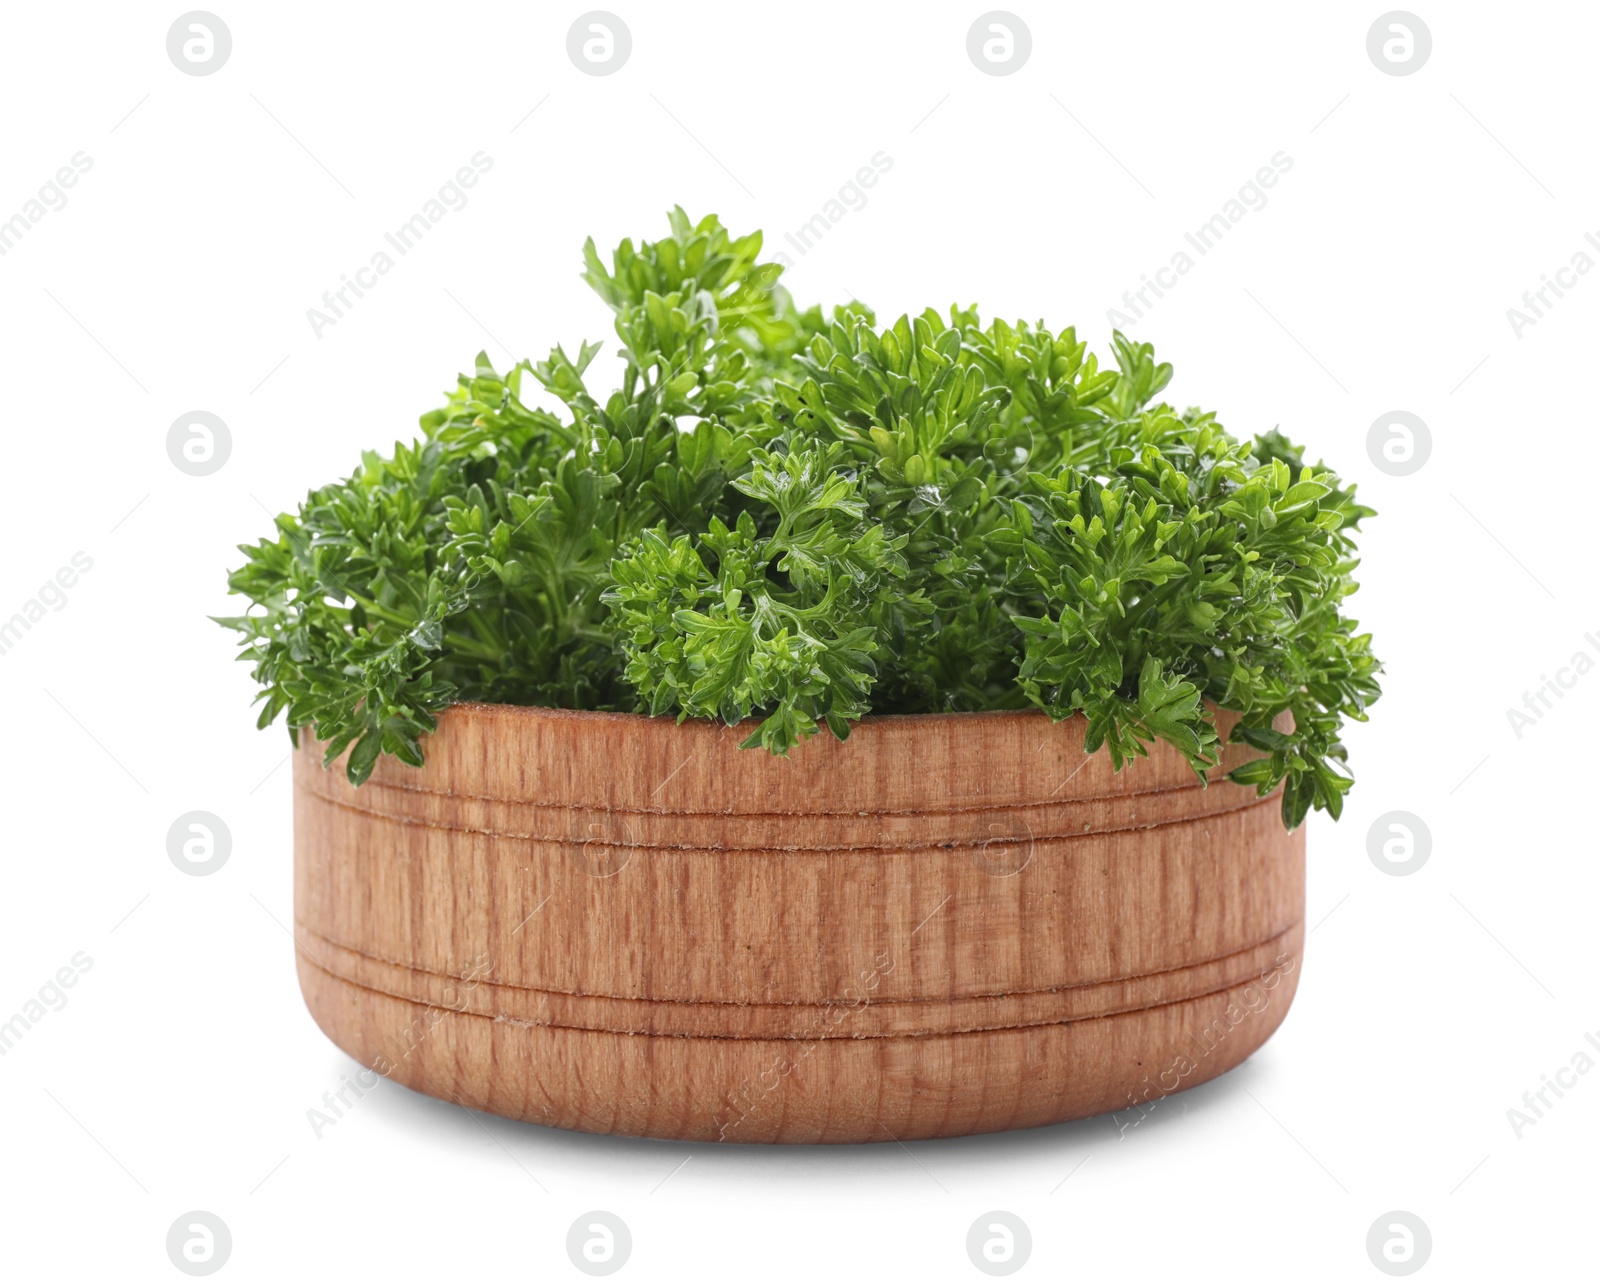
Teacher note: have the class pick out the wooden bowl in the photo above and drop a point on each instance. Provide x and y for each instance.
(948, 924)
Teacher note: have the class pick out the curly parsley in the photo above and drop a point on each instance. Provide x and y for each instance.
(801, 517)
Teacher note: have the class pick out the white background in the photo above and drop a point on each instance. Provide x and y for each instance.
(178, 276)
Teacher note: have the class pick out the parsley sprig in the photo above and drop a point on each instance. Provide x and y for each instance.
(803, 517)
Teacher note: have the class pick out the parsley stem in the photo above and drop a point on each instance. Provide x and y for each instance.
(461, 643)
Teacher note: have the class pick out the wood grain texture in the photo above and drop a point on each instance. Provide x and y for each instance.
(945, 925)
